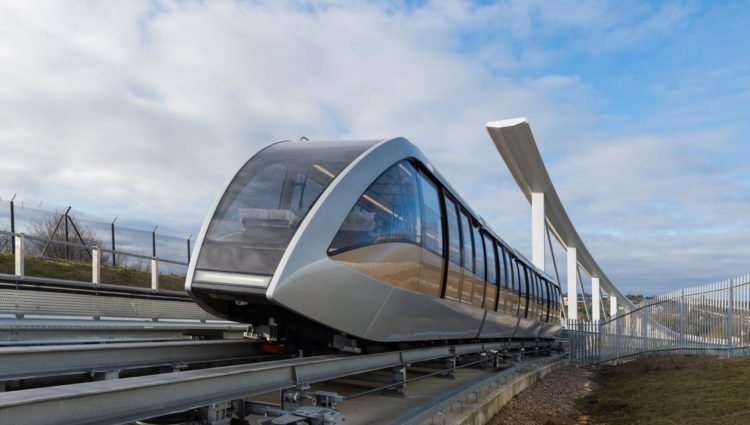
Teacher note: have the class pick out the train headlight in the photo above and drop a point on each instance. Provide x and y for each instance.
(232, 278)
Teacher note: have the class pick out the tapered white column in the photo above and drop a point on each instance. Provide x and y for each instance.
(612, 306)
(572, 291)
(537, 229)
(595, 310)
(20, 252)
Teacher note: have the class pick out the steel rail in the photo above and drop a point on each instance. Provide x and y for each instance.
(15, 332)
(101, 289)
(41, 361)
(130, 399)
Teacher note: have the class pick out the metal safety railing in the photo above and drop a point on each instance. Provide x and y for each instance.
(710, 320)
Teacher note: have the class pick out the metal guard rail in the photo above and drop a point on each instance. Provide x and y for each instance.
(130, 399)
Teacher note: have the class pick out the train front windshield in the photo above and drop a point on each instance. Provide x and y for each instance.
(264, 205)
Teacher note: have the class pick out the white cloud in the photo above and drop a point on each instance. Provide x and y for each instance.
(144, 109)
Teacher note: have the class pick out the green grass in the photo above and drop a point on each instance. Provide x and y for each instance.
(671, 390)
(73, 270)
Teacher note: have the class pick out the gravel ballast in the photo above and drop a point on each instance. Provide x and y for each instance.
(550, 401)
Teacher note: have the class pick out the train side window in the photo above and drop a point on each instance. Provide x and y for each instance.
(479, 257)
(504, 270)
(454, 238)
(388, 211)
(432, 236)
(547, 299)
(468, 249)
(489, 244)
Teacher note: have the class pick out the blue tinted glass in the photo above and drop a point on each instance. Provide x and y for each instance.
(388, 211)
(267, 200)
(468, 249)
(433, 223)
(489, 244)
(454, 237)
(479, 250)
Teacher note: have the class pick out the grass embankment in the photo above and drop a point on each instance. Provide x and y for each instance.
(72, 270)
(671, 390)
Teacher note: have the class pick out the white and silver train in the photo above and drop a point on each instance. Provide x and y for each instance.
(364, 239)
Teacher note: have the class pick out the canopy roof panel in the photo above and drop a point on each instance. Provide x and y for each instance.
(516, 144)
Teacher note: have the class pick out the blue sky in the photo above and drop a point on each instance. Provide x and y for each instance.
(143, 109)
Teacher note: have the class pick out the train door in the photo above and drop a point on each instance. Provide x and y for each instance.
(533, 302)
(480, 285)
(548, 298)
(467, 287)
(523, 307)
(538, 297)
(490, 293)
(431, 272)
(505, 280)
(516, 295)
(454, 276)
(512, 296)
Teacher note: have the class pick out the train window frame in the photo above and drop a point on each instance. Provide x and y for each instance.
(449, 199)
(466, 225)
(501, 270)
(516, 276)
(408, 167)
(547, 299)
(524, 279)
(490, 244)
(422, 180)
(476, 235)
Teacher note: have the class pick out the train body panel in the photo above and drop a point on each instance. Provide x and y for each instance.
(364, 242)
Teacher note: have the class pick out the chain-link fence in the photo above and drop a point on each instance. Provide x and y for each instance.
(712, 320)
(58, 244)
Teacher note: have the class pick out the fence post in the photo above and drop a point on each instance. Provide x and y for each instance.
(644, 329)
(12, 223)
(154, 274)
(730, 318)
(617, 339)
(188, 247)
(599, 344)
(681, 343)
(153, 242)
(67, 237)
(114, 255)
(96, 257)
(19, 244)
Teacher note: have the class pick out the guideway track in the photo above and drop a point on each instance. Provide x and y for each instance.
(55, 360)
(130, 399)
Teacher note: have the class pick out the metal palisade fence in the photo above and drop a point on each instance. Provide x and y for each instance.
(708, 320)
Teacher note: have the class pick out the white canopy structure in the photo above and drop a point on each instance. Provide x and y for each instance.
(517, 146)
